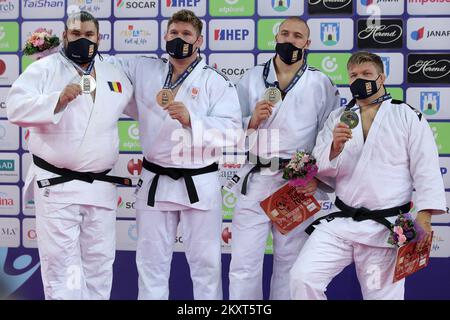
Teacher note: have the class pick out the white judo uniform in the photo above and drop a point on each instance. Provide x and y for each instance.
(213, 105)
(293, 125)
(399, 154)
(75, 220)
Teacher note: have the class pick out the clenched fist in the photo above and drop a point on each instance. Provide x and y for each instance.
(341, 134)
(69, 93)
(263, 110)
(178, 111)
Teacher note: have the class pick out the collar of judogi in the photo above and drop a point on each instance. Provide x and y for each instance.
(297, 77)
(184, 75)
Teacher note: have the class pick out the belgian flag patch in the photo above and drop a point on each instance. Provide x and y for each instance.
(115, 86)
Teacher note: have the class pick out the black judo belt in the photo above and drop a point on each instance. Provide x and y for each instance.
(361, 214)
(176, 173)
(261, 163)
(67, 175)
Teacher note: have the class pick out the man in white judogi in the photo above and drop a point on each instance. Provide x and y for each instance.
(74, 142)
(374, 168)
(282, 128)
(198, 105)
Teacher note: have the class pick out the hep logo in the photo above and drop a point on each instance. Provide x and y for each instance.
(133, 166)
(231, 34)
(226, 235)
(181, 3)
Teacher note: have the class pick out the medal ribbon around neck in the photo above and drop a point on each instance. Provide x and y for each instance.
(165, 95)
(87, 82)
(184, 75)
(83, 71)
(297, 77)
(350, 117)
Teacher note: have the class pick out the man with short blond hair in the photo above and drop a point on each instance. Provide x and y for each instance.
(374, 156)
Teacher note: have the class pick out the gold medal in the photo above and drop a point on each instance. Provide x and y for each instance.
(164, 97)
(272, 94)
(87, 84)
(350, 118)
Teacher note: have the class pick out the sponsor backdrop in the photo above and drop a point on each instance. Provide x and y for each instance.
(412, 36)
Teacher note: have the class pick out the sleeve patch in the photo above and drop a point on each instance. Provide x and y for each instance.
(417, 112)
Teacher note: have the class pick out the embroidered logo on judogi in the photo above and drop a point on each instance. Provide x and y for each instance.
(194, 92)
(115, 86)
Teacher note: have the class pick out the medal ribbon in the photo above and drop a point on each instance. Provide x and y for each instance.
(183, 77)
(297, 77)
(84, 72)
(384, 97)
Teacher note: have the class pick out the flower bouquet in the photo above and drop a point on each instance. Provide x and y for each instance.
(300, 170)
(403, 231)
(41, 43)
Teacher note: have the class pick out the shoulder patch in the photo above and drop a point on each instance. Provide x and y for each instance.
(417, 112)
(315, 69)
(217, 71)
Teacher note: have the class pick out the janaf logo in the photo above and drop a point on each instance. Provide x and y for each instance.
(380, 33)
(330, 6)
(429, 68)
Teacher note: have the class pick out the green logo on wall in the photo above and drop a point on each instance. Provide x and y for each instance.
(232, 8)
(334, 65)
(129, 136)
(26, 61)
(267, 29)
(9, 36)
(441, 131)
(396, 93)
(229, 200)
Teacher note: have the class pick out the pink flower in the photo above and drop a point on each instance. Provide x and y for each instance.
(37, 42)
(401, 239)
(398, 230)
(305, 158)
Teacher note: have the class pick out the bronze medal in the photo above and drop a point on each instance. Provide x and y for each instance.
(164, 97)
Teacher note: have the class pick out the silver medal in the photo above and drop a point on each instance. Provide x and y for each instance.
(272, 94)
(350, 118)
(87, 84)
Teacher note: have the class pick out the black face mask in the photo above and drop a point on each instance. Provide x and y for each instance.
(363, 89)
(179, 49)
(81, 51)
(289, 53)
